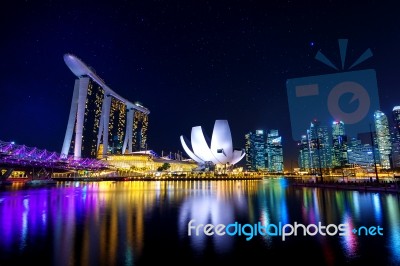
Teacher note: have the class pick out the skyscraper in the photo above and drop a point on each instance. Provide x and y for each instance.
(319, 145)
(100, 121)
(360, 154)
(274, 151)
(396, 117)
(383, 141)
(339, 144)
(395, 136)
(304, 156)
(256, 150)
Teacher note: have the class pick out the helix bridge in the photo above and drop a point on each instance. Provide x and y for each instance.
(13, 155)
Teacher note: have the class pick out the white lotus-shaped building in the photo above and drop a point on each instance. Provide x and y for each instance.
(220, 151)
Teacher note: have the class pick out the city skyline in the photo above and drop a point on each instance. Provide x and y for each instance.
(335, 149)
(189, 63)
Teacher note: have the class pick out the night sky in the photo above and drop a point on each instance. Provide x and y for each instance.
(189, 62)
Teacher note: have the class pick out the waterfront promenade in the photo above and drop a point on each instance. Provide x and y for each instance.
(384, 185)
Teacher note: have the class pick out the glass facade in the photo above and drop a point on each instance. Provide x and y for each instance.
(93, 105)
(304, 156)
(319, 145)
(256, 150)
(383, 140)
(139, 134)
(339, 144)
(274, 152)
(360, 154)
(395, 135)
(116, 126)
(396, 118)
(98, 122)
(247, 147)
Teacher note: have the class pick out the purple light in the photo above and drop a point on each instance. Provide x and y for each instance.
(23, 155)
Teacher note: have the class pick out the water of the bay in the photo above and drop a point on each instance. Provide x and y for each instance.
(144, 222)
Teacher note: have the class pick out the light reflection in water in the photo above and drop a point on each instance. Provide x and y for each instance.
(394, 226)
(377, 208)
(108, 223)
(349, 241)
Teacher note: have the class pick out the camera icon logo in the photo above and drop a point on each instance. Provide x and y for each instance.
(351, 97)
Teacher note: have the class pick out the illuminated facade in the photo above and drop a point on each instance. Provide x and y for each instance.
(140, 162)
(395, 134)
(396, 117)
(319, 145)
(360, 154)
(383, 140)
(139, 131)
(256, 150)
(247, 148)
(339, 144)
(100, 121)
(395, 149)
(220, 151)
(304, 156)
(274, 152)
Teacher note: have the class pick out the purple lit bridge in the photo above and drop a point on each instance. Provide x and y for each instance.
(21, 157)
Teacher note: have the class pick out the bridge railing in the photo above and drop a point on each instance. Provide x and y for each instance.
(11, 153)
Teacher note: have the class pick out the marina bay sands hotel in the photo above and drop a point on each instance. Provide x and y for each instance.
(101, 122)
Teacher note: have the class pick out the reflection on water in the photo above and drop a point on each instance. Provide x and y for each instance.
(122, 223)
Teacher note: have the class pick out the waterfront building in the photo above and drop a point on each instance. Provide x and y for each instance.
(219, 152)
(247, 148)
(360, 154)
(256, 148)
(395, 137)
(101, 122)
(383, 140)
(304, 153)
(396, 118)
(146, 161)
(274, 151)
(319, 145)
(339, 144)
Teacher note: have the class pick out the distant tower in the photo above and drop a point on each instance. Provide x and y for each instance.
(339, 144)
(274, 151)
(319, 144)
(100, 121)
(396, 137)
(360, 154)
(256, 150)
(383, 139)
(396, 117)
(304, 156)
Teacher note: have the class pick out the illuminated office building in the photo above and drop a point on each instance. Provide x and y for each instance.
(304, 156)
(274, 152)
(396, 117)
(395, 135)
(319, 145)
(256, 150)
(383, 141)
(339, 144)
(360, 154)
(100, 121)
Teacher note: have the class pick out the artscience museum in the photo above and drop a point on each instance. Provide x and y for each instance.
(219, 150)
